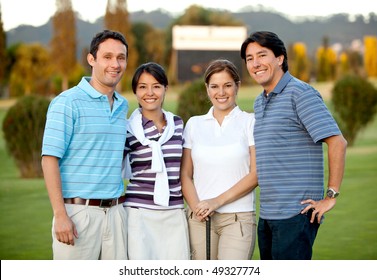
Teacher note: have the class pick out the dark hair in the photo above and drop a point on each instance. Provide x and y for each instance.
(103, 36)
(220, 65)
(268, 40)
(156, 70)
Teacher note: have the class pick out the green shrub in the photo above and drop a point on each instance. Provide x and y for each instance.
(23, 128)
(355, 103)
(193, 100)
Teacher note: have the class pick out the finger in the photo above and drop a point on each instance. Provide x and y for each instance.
(312, 218)
(306, 209)
(307, 201)
(75, 233)
(207, 213)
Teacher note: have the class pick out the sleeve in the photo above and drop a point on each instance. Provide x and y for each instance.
(126, 165)
(187, 134)
(250, 129)
(315, 116)
(59, 127)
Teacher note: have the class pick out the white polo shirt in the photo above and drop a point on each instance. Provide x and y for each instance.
(221, 155)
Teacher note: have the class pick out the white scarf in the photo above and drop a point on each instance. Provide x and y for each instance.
(135, 127)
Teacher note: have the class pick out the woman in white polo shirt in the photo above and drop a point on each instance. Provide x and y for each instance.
(218, 172)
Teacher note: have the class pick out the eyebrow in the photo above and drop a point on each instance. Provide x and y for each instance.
(260, 52)
(114, 54)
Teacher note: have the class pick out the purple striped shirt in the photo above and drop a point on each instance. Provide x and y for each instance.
(140, 189)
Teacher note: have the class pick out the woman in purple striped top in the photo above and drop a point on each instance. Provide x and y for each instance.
(157, 223)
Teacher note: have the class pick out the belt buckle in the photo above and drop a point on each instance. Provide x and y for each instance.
(106, 203)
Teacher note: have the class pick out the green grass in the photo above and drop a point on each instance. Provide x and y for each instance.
(348, 233)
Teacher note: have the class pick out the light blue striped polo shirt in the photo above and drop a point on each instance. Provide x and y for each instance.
(88, 138)
(290, 126)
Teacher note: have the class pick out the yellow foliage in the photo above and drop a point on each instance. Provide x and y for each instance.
(370, 55)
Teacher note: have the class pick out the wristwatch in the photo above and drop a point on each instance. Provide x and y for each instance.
(331, 193)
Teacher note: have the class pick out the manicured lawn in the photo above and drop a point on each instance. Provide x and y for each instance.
(348, 233)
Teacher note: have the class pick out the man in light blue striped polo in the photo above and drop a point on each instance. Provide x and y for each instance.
(82, 158)
(292, 122)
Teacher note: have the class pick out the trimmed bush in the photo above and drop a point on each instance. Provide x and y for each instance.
(193, 100)
(355, 104)
(23, 128)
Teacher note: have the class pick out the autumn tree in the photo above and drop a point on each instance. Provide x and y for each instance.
(63, 42)
(370, 56)
(117, 19)
(31, 71)
(3, 56)
(326, 62)
(298, 61)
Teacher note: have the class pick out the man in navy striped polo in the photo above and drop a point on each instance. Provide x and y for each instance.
(82, 156)
(292, 122)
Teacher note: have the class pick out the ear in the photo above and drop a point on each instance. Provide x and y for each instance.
(281, 59)
(90, 58)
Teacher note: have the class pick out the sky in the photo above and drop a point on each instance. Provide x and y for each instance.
(38, 12)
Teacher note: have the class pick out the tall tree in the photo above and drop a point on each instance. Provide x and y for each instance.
(326, 62)
(298, 61)
(3, 56)
(117, 19)
(63, 42)
(370, 55)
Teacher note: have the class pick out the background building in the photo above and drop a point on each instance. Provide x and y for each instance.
(195, 46)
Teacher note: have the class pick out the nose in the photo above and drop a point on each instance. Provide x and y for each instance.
(255, 62)
(149, 90)
(221, 91)
(115, 63)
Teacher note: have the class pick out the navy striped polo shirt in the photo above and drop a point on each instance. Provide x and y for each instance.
(291, 123)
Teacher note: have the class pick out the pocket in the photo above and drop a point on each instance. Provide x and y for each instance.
(247, 222)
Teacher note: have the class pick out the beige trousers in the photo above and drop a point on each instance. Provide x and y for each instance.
(102, 234)
(233, 236)
(157, 234)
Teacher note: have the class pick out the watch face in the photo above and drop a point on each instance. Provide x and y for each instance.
(331, 193)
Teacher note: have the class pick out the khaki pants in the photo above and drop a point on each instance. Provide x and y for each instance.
(233, 236)
(102, 234)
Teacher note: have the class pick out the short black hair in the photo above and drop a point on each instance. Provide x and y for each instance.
(103, 36)
(268, 40)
